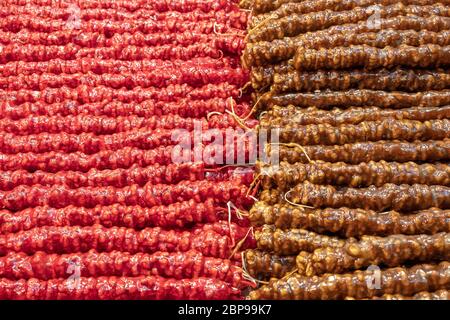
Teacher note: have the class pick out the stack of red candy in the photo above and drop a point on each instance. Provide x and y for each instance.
(93, 201)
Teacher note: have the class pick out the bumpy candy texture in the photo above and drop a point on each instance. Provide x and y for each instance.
(357, 93)
(93, 95)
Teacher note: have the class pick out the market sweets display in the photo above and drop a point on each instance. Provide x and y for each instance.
(93, 204)
(358, 93)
